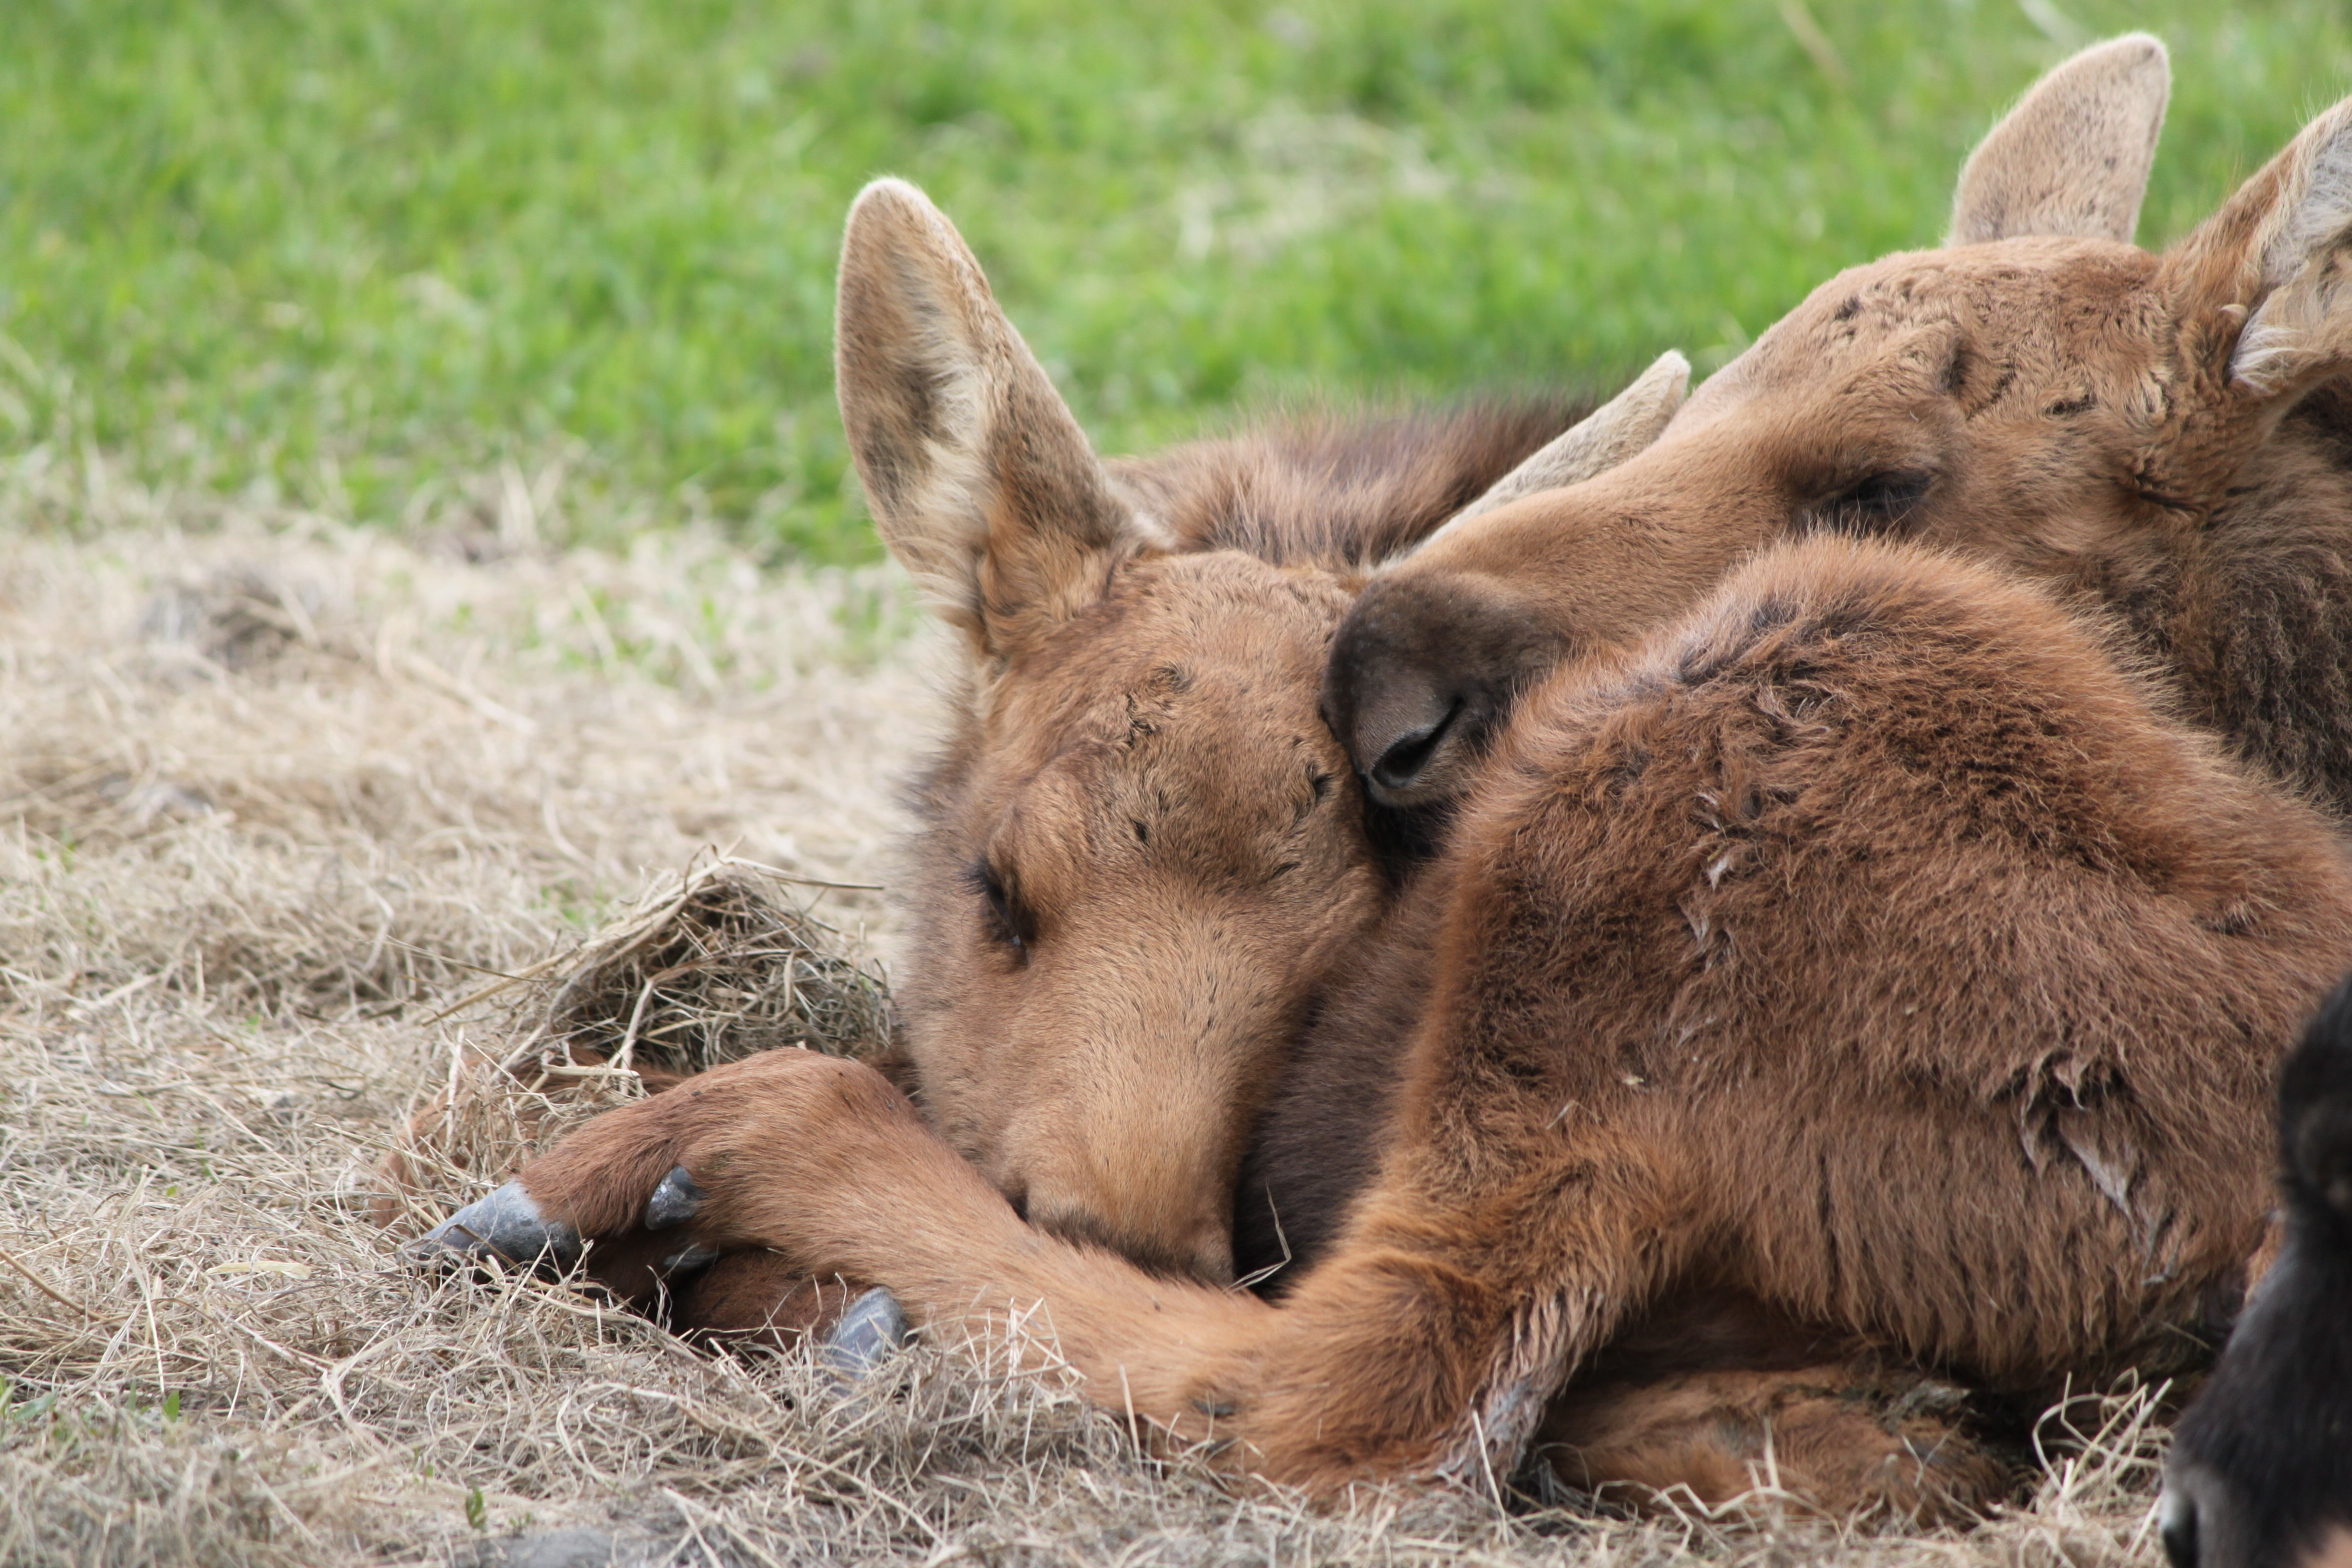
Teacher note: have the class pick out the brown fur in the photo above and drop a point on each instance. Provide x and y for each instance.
(1857, 943)
(2072, 407)
(2047, 967)
(1140, 843)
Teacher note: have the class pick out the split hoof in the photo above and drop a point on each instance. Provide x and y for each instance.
(869, 1331)
(674, 1202)
(506, 1224)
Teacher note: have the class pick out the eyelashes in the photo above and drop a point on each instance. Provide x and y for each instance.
(1005, 919)
(1873, 507)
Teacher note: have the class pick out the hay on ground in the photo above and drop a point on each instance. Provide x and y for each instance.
(273, 795)
(714, 965)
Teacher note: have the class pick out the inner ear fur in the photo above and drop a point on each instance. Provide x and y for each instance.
(2276, 257)
(2072, 158)
(980, 481)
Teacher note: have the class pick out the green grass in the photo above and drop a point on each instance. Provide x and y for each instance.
(351, 252)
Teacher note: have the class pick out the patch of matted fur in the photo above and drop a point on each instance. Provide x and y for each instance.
(236, 881)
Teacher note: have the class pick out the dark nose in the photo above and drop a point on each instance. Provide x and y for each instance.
(1408, 755)
(1421, 671)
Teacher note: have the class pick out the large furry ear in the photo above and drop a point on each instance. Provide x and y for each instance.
(2073, 157)
(2279, 255)
(980, 480)
(1607, 436)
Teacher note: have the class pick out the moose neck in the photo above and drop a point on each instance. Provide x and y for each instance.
(2256, 620)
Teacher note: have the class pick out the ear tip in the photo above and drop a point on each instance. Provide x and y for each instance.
(2134, 49)
(2143, 57)
(891, 199)
(2136, 63)
(1665, 383)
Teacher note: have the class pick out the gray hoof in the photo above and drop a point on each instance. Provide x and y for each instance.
(868, 1332)
(507, 1223)
(674, 1202)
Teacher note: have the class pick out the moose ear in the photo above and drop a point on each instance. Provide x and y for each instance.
(2073, 157)
(1607, 436)
(2279, 253)
(980, 480)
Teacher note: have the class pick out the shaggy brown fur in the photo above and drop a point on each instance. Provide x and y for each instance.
(2054, 399)
(1873, 841)
(1858, 973)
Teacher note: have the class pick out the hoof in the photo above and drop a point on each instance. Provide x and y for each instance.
(868, 1332)
(508, 1224)
(674, 1202)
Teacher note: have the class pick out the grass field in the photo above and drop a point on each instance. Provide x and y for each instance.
(424, 527)
(356, 255)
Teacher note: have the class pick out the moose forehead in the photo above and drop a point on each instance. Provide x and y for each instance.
(1985, 324)
(1177, 713)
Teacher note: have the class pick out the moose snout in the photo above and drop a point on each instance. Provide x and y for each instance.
(1422, 671)
(1155, 1196)
(1197, 1246)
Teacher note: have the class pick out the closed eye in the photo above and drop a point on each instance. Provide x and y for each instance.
(1876, 505)
(1005, 920)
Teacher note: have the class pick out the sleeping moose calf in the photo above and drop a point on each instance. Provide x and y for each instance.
(2261, 1470)
(1861, 948)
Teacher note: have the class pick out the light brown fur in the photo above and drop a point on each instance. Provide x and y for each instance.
(2152, 436)
(1843, 931)
(1140, 844)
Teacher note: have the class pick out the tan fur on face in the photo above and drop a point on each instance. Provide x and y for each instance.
(1144, 850)
(1141, 847)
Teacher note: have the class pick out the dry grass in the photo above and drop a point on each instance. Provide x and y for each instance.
(275, 796)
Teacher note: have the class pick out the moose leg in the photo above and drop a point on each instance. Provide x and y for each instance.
(1423, 1345)
(759, 1298)
(1847, 1439)
(1432, 1340)
(1714, 1398)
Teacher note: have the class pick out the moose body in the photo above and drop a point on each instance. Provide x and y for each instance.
(1849, 958)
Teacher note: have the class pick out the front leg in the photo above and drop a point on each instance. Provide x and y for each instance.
(1416, 1349)
(822, 1162)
